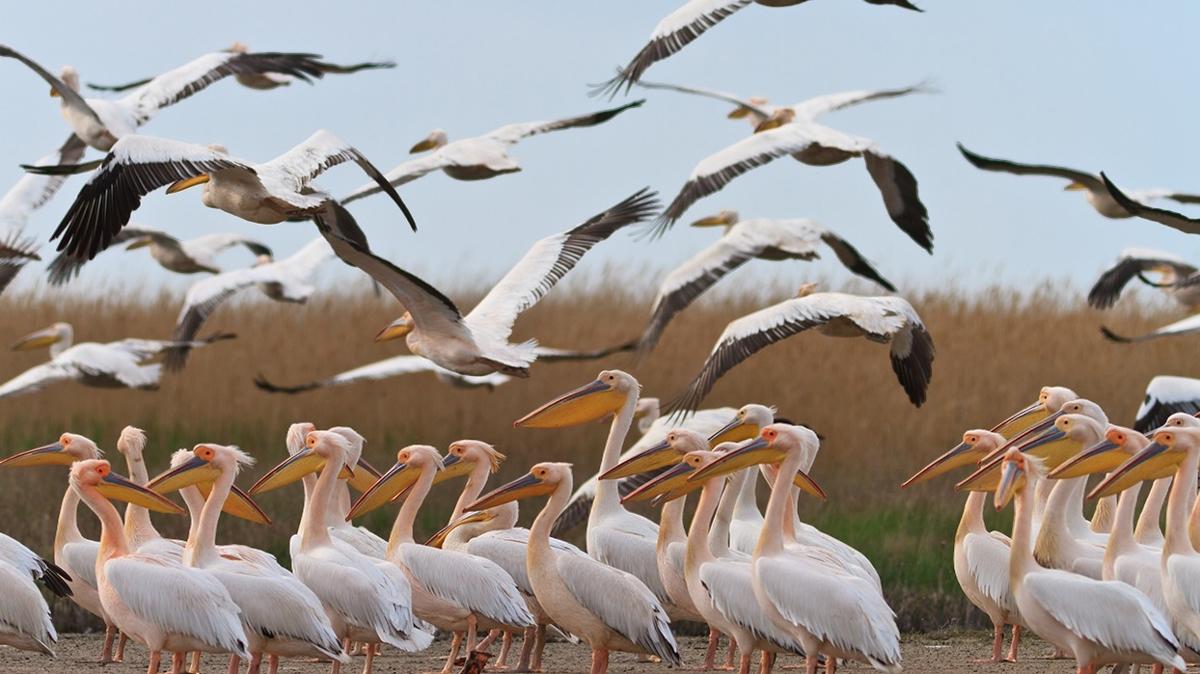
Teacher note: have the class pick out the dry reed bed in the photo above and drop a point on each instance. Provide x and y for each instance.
(994, 350)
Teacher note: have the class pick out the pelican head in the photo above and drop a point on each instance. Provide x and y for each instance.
(296, 434)
(319, 448)
(132, 443)
(1017, 470)
(69, 77)
(1119, 443)
(610, 391)
(741, 111)
(725, 218)
(678, 442)
(96, 475)
(773, 444)
(745, 425)
(673, 483)
(1055, 439)
(200, 467)
(477, 522)
(975, 444)
(1156, 460)
(436, 138)
(57, 334)
(542, 479)
(463, 455)
(396, 329)
(777, 119)
(807, 289)
(363, 474)
(69, 449)
(260, 260)
(410, 463)
(1050, 399)
(647, 411)
(238, 47)
(1182, 420)
(1075, 406)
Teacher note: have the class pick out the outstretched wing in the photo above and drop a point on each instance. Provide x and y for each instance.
(69, 95)
(209, 245)
(36, 378)
(65, 267)
(1132, 263)
(1160, 215)
(1003, 165)
(742, 103)
(820, 105)
(32, 190)
(512, 133)
(1186, 326)
(404, 173)
(388, 368)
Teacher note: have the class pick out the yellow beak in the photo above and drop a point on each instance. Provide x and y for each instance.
(1075, 187)
(423, 146)
(754, 453)
(1099, 458)
(1155, 461)
(453, 466)
(399, 478)
(1021, 420)
(180, 185)
(363, 478)
(396, 330)
(239, 504)
(585, 404)
(114, 486)
(767, 125)
(200, 473)
(959, 456)
(54, 93)
(672, 484)
(292, 469)
(49, 455)
(36, 340)
(736, 430)
(740, 112)
(439, 537)
(138, 243)
(985, 478)
(711, 221)
(653, 458)
(526, 486)
(1011, 479)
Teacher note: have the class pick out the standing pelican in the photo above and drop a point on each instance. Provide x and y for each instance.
(607, 608)
(25, 618)
(1097, 622)
(369, 600)
(481, 157)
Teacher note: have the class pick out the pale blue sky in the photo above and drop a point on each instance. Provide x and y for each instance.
(1090, 84)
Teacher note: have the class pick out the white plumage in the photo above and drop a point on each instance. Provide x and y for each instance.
(1166, 395)
(396, 366)
(24, 616)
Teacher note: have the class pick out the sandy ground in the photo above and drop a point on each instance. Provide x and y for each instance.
(922, 653)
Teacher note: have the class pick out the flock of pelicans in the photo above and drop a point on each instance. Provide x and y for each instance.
(1108, 591)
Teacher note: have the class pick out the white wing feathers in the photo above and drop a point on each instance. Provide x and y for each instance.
(475, 583)
(278, 605)
(631, 551)
(987, 559)
(729, 585)
(24, 610)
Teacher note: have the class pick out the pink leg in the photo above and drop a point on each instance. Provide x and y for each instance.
(811, 662)
(195, 662)
(272, 664)
(1016, 641)
(235, 664)
(505, 645)
(599, 660)
(487, 640)
(997, 642)
(337, 666)
(255, 663)
(539, 645)
(471, 633)
(455, 644)
(527, 640)
(177, 662)
(370, 661)
(710, 655)
(830, 664)
(155, 659)
(744, 663)
(106, 651)
(120, 656)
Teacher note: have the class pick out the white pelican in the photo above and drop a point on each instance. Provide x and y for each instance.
(396, 366)
(744, 240)
(192, 256)
(30, 193)
(1166, 395)
(107, 365)
(267, 193)
(1096, 621)
(794, 130)
(1185, 326)
(1134, 206)
(24, 615)
(140, 533)
(481, 157)
(265, 80)
(1090, 184)
(100, 123)
(281, 616)
(605, 607)
(1175, 277)
(162, 603)
(477, 343)
(879, 319)
(452, 590)
(73, 553)
(288, 280)
(851, 620)
(677, 29)
(980, 556)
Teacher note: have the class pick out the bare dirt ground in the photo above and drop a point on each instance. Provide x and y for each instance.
(922, 653)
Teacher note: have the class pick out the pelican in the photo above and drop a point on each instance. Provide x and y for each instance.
(451, 590)
(30, 193)
(162, 603)
(852, 620)
(288, 280)
(100, 123)
(25, 621)
(140, 534)
(369, 600)
(794, 130)
(1090, 184)
(73, 553)
(796, 239)
(193, 256)
(677, 29)
(280, 614)
(980, 556)
(1132, 205)
(477, 343)
(396, 366)
(107, 365)
(1097, 622)
(605, 607)
(1166, 395)
(481, 157)
(264, 80)
(267, 193)
(1186, 326)
(1174, 278)
(880, 319)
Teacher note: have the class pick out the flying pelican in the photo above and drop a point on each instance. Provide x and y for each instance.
(794, 130)
(73, 553)
(744, 240)
(452, 590)
(677, 29)
(477, 344)
(605, 607)
(481, 157)
(1175, 277)
(263, 80)
(1090, 184)
(1171, 219)
(281, 616)
(980, 556)
(100, 123)
(107, 365)
(1095, 621)
(396, 366)
(879, 319)
(192, 256)
(852, 620)
(288, 280)
(370, 600)
(30, 193)
(163, 604)
(25, 621)
(1166, 395)
(1186, 326)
